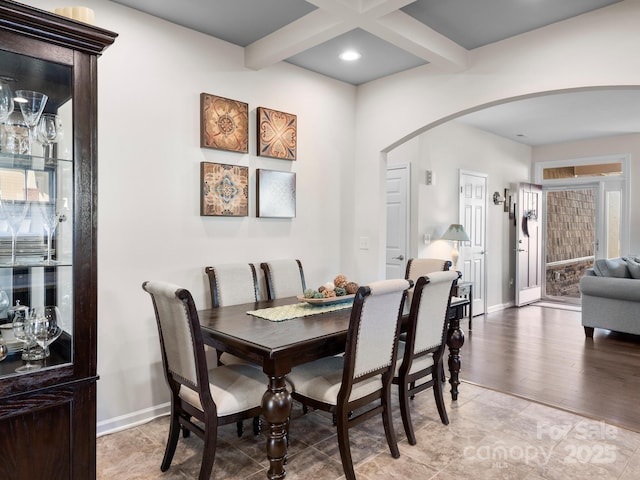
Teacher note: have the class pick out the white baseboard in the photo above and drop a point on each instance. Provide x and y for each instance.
(500, 307)
(132, 419)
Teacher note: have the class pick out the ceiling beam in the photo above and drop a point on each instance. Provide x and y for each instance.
(335, 17)
(313, 29)
(407, 33)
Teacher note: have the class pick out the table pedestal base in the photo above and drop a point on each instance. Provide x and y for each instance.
(276, 409)
(455, 340)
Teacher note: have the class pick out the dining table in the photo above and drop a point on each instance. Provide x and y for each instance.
(280, 334)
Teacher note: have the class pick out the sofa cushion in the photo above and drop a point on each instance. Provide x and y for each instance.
(615, 267)
(633, 264)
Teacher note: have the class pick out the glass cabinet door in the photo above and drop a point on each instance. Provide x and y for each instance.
(36, 213)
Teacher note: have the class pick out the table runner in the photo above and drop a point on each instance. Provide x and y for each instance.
(288, 312)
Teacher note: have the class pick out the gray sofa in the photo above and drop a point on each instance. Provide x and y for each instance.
(611, 296)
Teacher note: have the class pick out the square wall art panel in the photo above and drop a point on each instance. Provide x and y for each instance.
(275, 194)
(224, 123)
(224, 190)
(277, 134)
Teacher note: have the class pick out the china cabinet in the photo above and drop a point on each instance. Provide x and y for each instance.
(48, 241)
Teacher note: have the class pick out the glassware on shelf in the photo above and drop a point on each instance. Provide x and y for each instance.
(46, 327)
(23, 330)
(14, 212)
(50, 220)
(14, 136)
(31, 105)
(6, 101)
(48, 132)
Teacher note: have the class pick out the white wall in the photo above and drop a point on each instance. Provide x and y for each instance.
(149, 223)
(446, 150)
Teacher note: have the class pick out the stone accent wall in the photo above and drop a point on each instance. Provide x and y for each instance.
(570, 224)
(563, 279)
(570, 235)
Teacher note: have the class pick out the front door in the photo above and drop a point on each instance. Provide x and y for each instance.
(397, 220)
(473, 207)
(529, 262)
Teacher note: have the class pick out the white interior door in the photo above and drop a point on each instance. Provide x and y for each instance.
(529, 261)
(473, 216)
(397, 220)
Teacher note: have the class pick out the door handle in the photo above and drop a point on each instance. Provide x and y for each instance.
(399, 257)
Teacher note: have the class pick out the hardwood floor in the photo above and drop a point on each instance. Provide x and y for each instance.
(542, 354)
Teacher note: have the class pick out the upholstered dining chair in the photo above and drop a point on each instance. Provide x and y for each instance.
(357, 386)
(232, 284)
(418, 267)
(419, 363)
(284, 278)
(221, 395)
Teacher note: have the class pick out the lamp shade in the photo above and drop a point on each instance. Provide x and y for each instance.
(456, 232)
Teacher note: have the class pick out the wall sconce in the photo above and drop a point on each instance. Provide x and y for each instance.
(498, 199)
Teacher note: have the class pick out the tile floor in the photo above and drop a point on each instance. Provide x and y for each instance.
(490, 436)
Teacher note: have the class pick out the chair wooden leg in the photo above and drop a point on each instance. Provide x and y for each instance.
(588, 332)
(172, 442)
(437, 393)
(405, 412)
(240, 428)
(342, 424)
(209, 449)
(257, 426)
(387, 421)
(186, 433)
(411, 386)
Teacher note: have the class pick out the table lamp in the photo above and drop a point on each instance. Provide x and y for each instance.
(456, 233)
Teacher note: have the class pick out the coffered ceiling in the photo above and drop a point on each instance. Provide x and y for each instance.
(393, 36)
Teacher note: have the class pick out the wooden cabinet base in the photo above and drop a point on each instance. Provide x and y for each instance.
(50, 434)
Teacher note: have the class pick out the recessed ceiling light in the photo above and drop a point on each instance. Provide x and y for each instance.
(349, 55)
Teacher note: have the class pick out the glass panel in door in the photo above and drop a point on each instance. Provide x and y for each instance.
(570, 240)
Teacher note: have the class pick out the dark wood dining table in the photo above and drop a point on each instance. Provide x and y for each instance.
(280, 346)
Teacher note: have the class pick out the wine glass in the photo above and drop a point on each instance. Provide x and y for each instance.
(49, 131)
(13, 211)
(46, 327)
(23, 330)
(31, 105)
(6, 101)
(50, 220)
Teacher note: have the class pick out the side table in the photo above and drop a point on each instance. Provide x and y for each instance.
(465, 290)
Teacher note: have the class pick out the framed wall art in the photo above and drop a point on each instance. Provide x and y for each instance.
(275, 194)
(277, 134)
(224, 190)
(224, 124)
